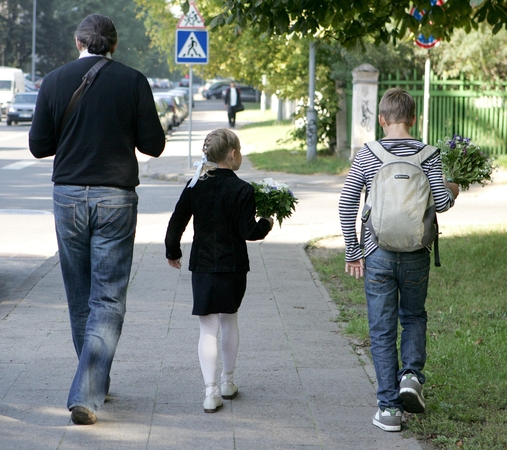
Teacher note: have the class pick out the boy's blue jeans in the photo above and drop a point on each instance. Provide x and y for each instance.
(95, 229)
(396, 285)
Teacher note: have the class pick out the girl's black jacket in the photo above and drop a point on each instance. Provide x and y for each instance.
(223, 207)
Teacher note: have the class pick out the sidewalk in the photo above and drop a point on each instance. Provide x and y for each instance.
(301, 386)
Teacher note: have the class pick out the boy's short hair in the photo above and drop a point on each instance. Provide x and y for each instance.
(397, 106)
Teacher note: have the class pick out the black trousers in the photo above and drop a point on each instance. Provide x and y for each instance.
(231, 114)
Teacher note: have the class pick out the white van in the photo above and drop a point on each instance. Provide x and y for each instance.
(12, 81)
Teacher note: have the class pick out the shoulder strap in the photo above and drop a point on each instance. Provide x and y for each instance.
(81, 90)
(378, 150)
(427, 152)
(385, 155)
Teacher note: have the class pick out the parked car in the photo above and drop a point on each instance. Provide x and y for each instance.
(21, 108)
(202, 89)
(181, 106)
(174, 104)
(182, 102)
(184, 82)
(182, 92)
(248, 93)
(215, 90)
(163, 114)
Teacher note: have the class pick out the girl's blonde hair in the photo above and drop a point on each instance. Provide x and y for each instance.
(216, 147)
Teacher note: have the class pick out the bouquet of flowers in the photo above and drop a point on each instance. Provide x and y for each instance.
(464, 163)
(274, 199)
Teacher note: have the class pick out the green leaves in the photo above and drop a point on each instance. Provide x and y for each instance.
(274, 200)
(464, 163)
(350, 22)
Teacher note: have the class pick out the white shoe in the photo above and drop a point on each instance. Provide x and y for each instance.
(229, 390)
(212, 401)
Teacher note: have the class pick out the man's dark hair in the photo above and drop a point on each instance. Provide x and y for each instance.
(97, 33)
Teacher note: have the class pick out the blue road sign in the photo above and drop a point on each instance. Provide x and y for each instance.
(191, 46)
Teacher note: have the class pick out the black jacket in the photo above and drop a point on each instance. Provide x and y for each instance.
(223, 207)
(116, 116)
(227, 98)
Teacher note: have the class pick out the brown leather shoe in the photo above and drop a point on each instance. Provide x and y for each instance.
(82, 416)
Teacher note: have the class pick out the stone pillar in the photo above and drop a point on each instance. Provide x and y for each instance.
(288, 109)
(274, 103)
(279, 111)
(364, 106)
(263, 94)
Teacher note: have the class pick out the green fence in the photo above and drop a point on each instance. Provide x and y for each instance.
(470, 108)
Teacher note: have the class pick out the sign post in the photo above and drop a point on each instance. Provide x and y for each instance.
(427, 43)
(192, 45)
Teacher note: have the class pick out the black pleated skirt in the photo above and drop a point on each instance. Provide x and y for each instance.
(216, 293)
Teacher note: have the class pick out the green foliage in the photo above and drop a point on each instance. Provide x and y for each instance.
(274, 199)
(16, 33)
(464, 163)
(56, 22)
(478, 53)
(382, 20)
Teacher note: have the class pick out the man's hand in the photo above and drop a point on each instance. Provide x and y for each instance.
(355, 268)
(176, 263)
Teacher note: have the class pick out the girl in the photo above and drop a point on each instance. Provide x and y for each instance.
(223, 207)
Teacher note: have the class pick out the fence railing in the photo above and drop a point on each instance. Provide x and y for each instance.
(469, 108)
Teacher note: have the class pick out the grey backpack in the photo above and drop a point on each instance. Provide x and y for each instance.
(399, 210)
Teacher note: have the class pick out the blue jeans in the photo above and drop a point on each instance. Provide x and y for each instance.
(95, 228)
(396, 286)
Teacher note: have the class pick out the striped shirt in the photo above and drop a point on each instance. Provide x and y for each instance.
(363, 169)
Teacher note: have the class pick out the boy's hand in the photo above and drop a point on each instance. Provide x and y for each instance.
(176, 263)
(453, 187)
(355, 268)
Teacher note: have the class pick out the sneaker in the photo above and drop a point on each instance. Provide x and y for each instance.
(411, 394)
(388, 420)
(82, 416)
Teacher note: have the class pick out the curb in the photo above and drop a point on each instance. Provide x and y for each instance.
(26, 286)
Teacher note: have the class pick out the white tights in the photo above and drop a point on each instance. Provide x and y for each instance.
(208, 347)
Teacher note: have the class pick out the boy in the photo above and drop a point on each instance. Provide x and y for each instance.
(395, 283)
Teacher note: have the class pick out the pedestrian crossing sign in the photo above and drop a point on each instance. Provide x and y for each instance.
(191, 46)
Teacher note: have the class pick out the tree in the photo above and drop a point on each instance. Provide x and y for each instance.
(254, 38)
(56, 22)
(15, 31)
(347, 23)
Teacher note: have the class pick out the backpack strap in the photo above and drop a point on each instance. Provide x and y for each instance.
(378, 150)
(384, 154)
(436, 252)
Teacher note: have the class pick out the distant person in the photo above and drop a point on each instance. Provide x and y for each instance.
(232, 100)
(223, 207)
(396, 283)
(95, 202)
